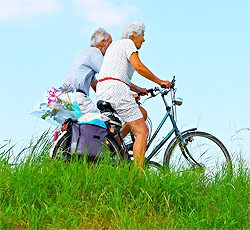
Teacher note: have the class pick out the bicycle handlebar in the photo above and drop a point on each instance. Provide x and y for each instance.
(151, 91)
(173, 82)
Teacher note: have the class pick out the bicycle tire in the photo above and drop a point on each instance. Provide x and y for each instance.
(113, 150)
(154, 167)
(62, 149)
(207, 150)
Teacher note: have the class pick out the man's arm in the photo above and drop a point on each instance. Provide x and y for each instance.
(93, 85)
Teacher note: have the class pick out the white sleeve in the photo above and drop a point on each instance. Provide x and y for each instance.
(96, 61)
(130, 48)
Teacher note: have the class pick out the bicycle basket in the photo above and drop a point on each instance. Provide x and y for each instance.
(87, 139)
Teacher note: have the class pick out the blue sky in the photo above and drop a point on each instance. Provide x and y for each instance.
(205, 44)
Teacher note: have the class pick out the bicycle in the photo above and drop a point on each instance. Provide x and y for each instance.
(187, 149)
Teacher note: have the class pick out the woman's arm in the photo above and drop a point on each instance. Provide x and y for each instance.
(138, 89)
(144, 71)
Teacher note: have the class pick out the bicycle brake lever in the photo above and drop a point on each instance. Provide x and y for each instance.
(147, 99)
(151, 91)
(152, 95)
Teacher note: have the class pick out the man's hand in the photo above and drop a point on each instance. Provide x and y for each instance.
(137, 97)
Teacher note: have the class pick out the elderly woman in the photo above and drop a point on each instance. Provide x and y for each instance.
(114, 84)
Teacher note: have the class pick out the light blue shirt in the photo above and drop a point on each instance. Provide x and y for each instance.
(83, 68)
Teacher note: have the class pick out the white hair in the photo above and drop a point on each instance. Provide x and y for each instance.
(133, 27)
(98, 36)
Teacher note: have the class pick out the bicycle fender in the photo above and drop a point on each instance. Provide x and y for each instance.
(174, 139)
(55, 143)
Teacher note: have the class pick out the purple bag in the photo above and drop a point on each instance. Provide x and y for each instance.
(87, 139)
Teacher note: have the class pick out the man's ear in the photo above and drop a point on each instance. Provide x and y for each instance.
(103, 43)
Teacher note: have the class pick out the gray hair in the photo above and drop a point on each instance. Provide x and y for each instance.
(129, 29)
(98, 36)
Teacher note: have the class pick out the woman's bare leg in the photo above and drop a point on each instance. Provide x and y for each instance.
(126, 128)
(140, 130)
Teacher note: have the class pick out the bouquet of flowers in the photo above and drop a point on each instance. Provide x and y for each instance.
(56, 105)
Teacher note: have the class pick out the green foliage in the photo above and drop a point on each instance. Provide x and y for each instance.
(41, 193)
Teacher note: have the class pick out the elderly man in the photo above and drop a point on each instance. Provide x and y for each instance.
(82, 70)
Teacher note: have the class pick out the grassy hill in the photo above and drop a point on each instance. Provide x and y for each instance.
(39, 193)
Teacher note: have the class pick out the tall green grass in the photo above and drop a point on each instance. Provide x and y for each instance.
(39, 193)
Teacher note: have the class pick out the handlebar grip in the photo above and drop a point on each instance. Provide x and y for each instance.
(148, 90)
(173, 82)
(141, 94)
(163, 86)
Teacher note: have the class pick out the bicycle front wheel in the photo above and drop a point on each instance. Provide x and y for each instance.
(206, 151)
(153, 167)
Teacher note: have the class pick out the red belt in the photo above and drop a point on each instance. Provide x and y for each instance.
(110, 78)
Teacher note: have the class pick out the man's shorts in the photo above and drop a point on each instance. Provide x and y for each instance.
(85, 103)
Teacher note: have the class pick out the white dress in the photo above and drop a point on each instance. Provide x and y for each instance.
(116, 65)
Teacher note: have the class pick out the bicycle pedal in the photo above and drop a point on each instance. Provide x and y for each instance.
(130, 146)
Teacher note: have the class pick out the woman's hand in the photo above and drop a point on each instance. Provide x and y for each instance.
(166, 83)
(142, 91)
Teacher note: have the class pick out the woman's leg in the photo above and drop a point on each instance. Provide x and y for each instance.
(126, 128)
(140, 130)
(144, 113)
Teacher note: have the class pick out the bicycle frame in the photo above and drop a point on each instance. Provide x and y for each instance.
(175, 130)
(178, 134)
(165, 139)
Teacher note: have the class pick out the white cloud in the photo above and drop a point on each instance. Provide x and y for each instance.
(104, 12)
(20, 8)
(98, 12)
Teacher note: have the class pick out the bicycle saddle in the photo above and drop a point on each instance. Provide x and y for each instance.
(104, 106)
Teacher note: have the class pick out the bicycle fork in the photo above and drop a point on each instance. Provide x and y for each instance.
(185, 151)
(183, 144)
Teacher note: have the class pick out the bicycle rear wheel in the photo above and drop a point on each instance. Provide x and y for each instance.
(113, 150)
(62, 149)
(207, 152)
